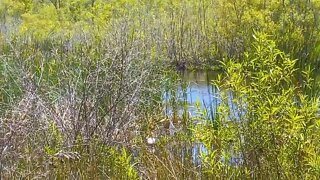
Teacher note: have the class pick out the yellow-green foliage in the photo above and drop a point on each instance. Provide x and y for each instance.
(15, 8)
(272, 123)
(200, 30)
(93, 70)
(55, 140)
(41, 24)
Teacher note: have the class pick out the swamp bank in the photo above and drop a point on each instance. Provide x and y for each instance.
(161, 89)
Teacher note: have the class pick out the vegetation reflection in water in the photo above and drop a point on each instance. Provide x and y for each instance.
(195, 92)
(82, 81)
(197, 96)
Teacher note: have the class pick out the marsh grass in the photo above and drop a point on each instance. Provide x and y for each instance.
(61, 94)
(87, 112)
(81, 92)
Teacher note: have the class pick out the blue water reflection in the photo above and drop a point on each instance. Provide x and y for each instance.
(195, 95)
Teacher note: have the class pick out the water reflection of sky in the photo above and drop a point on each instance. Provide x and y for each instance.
(203, 94)
(198, 89)
(197, 96)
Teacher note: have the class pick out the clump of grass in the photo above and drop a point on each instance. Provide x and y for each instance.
(59, 91)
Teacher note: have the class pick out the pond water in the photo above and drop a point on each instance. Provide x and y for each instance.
(195, 95)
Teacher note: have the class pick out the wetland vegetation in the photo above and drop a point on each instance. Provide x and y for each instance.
(159, 89)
